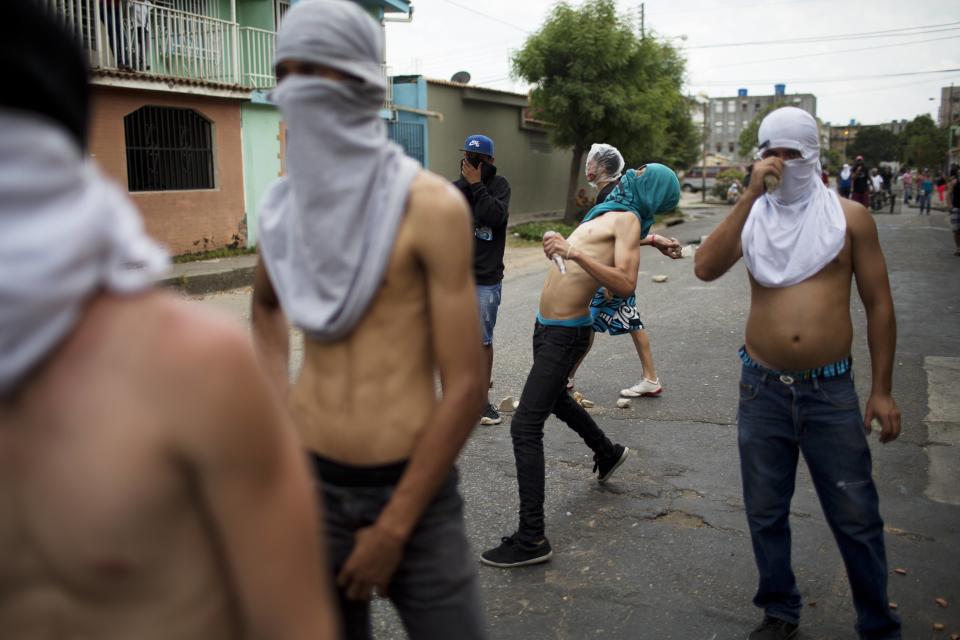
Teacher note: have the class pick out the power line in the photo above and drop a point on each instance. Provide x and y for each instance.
(826, 80)
(486, 15)
(830, 53)
(890, 33)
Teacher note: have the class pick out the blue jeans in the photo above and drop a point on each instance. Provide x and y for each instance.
(488, 299)
(923, 201)
(820, 418)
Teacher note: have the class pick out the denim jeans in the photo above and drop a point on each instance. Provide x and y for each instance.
(923, 201)
(488, 301)
(821, 418)
(436, 588)
(555, 351)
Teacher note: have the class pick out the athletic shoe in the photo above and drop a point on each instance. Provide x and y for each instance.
(608, 465)
(774, 629)
(643, 389)
(513, 553)
(490, 416)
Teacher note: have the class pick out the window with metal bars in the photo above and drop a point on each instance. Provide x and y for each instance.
(168, 149)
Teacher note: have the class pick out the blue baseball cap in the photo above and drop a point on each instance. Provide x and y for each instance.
(478, 144)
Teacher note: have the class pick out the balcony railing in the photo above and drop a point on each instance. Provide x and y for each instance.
(256, 57)
(131, 35)
(145, 38)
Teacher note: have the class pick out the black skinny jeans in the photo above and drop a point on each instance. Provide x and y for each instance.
(555, 351)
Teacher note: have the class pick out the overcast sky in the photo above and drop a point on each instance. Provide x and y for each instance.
(478, 36)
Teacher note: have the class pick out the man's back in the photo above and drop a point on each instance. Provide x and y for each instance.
(111, 522)
(363, 400)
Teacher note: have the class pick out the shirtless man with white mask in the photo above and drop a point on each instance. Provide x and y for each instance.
(604, 251)
(151, 486)
(371, 257)
(802, 245)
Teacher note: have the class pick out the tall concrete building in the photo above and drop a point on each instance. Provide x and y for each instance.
(949, 112)
(727, 117)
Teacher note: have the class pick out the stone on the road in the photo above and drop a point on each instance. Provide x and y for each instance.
(623, 403)
(507, 405)
(659, 278)
(688, 251)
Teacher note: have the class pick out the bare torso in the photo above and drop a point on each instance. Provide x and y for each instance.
(807, 325)
(103, 534)
(365, 399)
(567, 296)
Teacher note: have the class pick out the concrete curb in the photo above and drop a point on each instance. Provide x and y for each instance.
(204, 283)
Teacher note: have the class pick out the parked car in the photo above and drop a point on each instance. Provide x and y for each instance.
(692, 179)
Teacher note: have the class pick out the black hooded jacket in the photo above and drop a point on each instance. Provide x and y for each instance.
(489, 202)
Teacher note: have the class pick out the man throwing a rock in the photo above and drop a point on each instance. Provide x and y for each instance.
(602, 252)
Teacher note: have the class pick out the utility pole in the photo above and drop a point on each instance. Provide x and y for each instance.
(703, 165)
(643, 33)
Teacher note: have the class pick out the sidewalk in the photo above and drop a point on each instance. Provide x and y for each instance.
(209, 276)
(222, 274)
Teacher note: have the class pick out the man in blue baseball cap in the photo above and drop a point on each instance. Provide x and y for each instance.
(489, 198)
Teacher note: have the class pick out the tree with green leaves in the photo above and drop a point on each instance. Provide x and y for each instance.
(595, 81)
(876, 145)
(924, 144)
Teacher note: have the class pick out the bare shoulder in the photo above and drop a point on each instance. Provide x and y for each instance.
(204, 370)
(859, 220)
(185, 334)
(435, 205)
(626, 225)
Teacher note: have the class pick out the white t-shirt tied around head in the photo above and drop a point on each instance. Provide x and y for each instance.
(66, 233)
(795, 231)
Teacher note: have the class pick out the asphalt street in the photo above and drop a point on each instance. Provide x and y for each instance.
(663, 550)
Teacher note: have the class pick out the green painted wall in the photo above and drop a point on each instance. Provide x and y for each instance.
(260, 126)
(255, 13)
(536, 170)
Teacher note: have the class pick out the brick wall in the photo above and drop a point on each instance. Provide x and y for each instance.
(184, 221)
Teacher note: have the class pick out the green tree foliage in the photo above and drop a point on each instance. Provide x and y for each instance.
(724, 179)
(876, 145)
(748, 137)
(595, 81)
(924, 143)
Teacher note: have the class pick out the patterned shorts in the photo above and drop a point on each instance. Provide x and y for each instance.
(615, 315)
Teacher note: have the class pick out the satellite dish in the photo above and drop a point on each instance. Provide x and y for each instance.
(461, 77)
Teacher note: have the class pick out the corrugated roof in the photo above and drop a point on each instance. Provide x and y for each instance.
(162, 79)
(447, 83)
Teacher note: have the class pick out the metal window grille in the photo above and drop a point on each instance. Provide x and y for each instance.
(410, 136)
(168, 149)
(280, 8)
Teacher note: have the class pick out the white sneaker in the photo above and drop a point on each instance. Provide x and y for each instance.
(643, 389)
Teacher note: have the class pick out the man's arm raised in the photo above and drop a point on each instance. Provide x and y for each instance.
(870, 269)
(445, 248)
(621, 278)
(722, 249)
(271, 335)
(243, 457)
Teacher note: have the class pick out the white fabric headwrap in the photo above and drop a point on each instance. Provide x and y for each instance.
(327, 229)
(792, 233)
(66, 232)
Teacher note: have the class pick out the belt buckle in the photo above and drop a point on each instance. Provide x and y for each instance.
(785, 379)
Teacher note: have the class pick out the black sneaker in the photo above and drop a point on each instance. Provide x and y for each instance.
(774, 629)
(608, 465)
(513, 553)
(490, 416)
